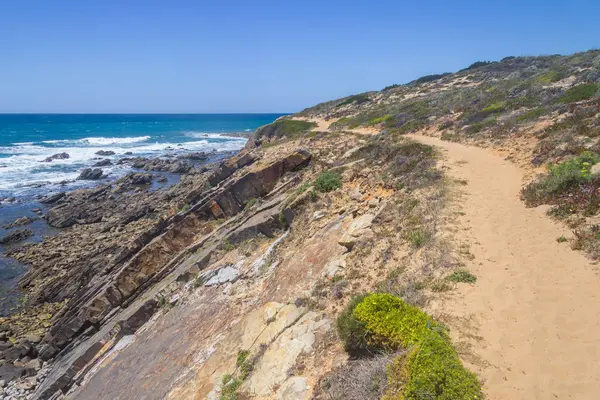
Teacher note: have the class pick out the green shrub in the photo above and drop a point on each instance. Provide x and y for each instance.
(494, 108)
(358, 99)
(250, 203)
(417, 237)
(434, 371)
(462, 275)
(352, 332)
(328, 181)
(550, 77)
(430, 369)
(579, 92)
(431, 78)
(229, 387)
(286, 127)
(478, 64)
(561, 178)
(381, 120)
(531, 114)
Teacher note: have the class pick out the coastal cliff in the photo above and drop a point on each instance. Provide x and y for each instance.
(315, 263)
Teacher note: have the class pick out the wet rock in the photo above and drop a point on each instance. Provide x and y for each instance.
(105, 153)
(103, 163)
(53, 198)
(58, 156)
(16, 236)
(90, 174)
(19, 222)
(197, 156)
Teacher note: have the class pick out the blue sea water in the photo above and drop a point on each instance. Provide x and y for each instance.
(27, 139)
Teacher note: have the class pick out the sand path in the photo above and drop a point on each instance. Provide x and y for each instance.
(536, 302)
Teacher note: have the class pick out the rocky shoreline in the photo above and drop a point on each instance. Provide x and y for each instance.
(101, 229)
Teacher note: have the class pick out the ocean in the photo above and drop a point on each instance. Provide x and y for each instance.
(27, 139)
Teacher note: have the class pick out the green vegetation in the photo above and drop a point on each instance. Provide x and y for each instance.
(531, 114)
(286, 127)
(562, 239)
(431, 78)
(229, 387)
(429, 369)
(381, 120)
(328, 181)
(358, 99)
(462, 275)
(579, 92)
(250, 203)
(417, 237)
(478, 64)
(550, 77)
(561, 178)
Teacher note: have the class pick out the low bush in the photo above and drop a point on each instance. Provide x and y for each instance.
(417, 237)
(358, 99)
(463, 276)
(352, 331)
(429, 368)
(531, 114)
(285, 127)
(579, 93)
(431, 78)
(560, 179)
(328, 181)
(550, 77)
(478, 64)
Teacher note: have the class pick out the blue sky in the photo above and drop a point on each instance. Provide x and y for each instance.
(258, 56)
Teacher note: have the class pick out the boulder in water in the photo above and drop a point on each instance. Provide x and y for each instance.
(58, 156)
(103, 163)
(16, 236)
(105, 153)
(90, 174)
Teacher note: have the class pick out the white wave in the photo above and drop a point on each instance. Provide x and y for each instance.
(23, 166)
(98, 141)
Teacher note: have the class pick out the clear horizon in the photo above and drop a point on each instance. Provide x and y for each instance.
(147, 57)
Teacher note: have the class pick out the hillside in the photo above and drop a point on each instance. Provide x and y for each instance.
(421, 241)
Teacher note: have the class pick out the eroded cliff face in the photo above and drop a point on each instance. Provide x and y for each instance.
(230, 283)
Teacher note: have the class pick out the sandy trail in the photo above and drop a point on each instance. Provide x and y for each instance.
(536, 302)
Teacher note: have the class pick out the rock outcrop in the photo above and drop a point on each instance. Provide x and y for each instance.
(91, 174)
(16, 236)
(58, 156)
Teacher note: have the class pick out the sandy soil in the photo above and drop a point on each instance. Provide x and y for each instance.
(535, 307)
(323, 126)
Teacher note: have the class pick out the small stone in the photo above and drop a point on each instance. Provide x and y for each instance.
(317, 215)
(35, 364)
(374, 202)
(595, 169)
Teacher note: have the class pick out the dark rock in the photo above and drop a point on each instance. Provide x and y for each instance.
(8, 372)
(161, 179)
(90, 174)
(105, 153)
(53, 198)
(5, 345)
(197, 156)
(16, 236)
(135, 178)
(59, 156)
(103, 163)
(19, 222)
(47, 351)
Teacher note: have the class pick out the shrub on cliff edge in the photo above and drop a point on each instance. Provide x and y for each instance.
(429, 368)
